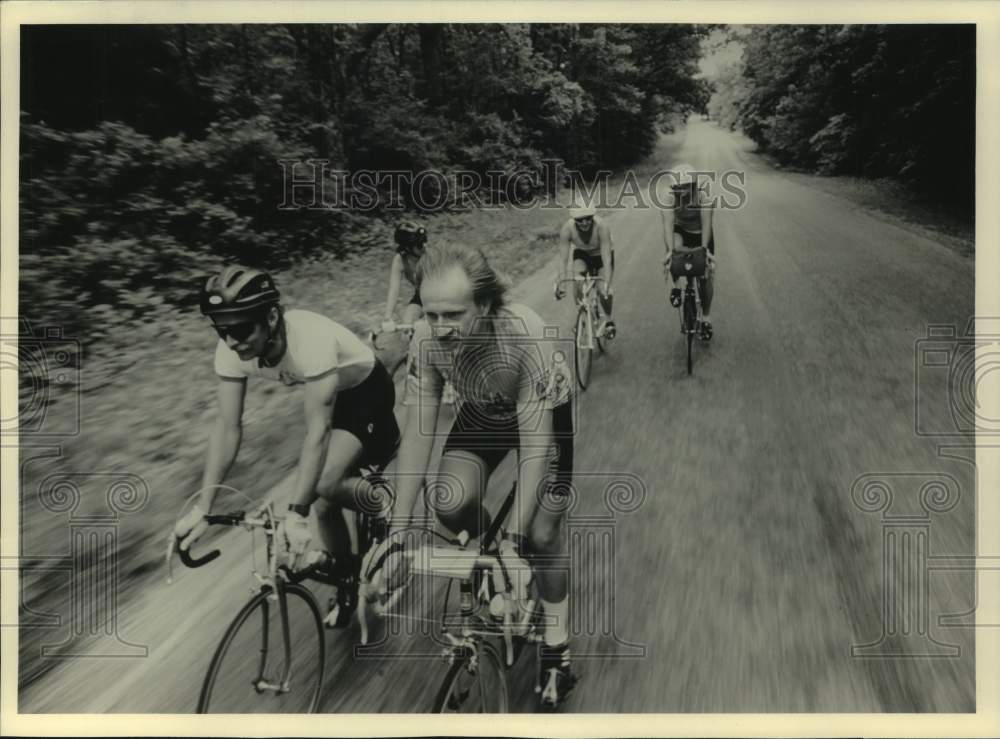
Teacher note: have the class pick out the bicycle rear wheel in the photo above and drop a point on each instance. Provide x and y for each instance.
(474, 683)
(584, 353)
(252, 652)
(690, 325)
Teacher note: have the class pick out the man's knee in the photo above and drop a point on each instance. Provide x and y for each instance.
(545, 535)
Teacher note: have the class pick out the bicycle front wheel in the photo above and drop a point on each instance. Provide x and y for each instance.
(584, 350)
(474, 683)
(270, 659)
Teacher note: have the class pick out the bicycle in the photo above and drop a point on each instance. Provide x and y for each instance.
(231, 665)
(588, 317)
(692, 265)
(475, 678)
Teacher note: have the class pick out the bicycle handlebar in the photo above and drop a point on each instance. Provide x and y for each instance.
(193, 562)
(237, 518)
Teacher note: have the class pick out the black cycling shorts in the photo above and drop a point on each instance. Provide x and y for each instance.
(594, 262)
(491, 439)
(692, 239)
(366, 411)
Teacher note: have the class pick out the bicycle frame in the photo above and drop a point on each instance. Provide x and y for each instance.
(586, 301)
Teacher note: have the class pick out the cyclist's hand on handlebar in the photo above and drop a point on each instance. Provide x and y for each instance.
(296, 533)
(388, 326)
(711, 261)
(191, 526)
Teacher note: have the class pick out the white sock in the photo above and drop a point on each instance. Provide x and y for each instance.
(556, 633)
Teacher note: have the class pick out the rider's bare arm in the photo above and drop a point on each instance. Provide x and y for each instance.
(668, 229)
(319, 397)
(604, 233)
(395, 275)
(413, 460)
(224, 440)
(707, 212)
(565, 250)
(533, 458)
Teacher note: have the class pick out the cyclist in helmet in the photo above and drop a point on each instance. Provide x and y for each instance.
(586, 244)
(688, 224)
(347, 419)
(411, 240)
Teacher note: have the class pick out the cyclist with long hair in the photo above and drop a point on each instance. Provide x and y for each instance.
(347, 419)
(516, 396)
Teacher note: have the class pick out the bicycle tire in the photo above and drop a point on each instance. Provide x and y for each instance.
(597, 339)
(453, 695)
(690, 321)
(584, 356)
(260, 602)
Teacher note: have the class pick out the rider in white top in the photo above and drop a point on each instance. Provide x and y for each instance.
(348, 420)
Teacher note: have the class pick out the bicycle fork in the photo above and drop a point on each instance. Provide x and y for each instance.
(284, 684)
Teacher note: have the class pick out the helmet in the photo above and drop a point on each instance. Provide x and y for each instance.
(409, 235)
(237, 289)
(581, 211)
(682, 174)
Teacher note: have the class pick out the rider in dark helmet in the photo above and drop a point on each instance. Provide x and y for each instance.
(348, 419)
(411, 240)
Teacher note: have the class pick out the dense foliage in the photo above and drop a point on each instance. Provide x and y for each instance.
(896, 101)
(149, 153)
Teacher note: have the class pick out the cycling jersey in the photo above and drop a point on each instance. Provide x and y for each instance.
(315, 346)
(511, 358)
(598, 233)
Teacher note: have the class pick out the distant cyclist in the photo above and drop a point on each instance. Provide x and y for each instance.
(411, 240)
(688, 224)
(585, 241)
(516, 391)
(347, 419)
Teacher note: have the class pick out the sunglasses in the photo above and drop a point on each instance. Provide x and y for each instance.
(585, 220)
(239, 331)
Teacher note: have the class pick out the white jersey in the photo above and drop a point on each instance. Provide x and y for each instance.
(316, 346)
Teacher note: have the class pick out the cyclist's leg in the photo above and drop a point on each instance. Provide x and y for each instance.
(470, 455)
(343, 455)
(607, 303)
(675, 290)
(579, 270)
(706, 290)
(364, 432)
(550, 561)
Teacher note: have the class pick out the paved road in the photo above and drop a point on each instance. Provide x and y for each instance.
(722, 563)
